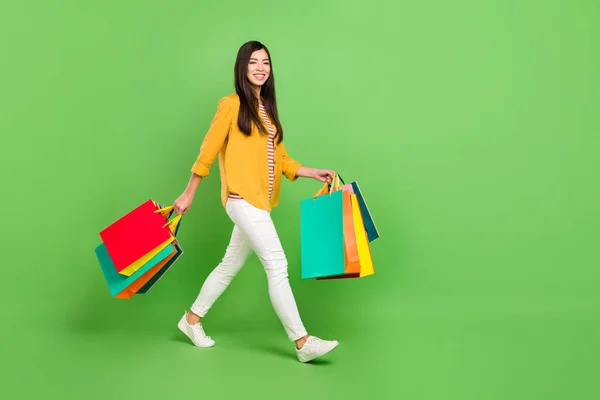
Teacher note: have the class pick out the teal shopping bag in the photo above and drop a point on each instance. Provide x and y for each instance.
(322, 235)
(117, 282)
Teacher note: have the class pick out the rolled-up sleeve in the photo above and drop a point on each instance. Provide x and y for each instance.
(215, 138)
(290, 166)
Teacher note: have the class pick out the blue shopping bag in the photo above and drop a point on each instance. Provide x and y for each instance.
(322, 235)
(368, 222)
(372, 232)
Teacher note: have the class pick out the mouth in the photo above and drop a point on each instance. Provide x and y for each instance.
(260, 77)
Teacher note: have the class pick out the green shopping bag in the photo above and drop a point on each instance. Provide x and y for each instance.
(322, 234)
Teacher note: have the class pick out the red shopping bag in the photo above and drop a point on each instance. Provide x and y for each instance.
(139, 235)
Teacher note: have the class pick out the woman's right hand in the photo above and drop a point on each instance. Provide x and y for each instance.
(183, 203)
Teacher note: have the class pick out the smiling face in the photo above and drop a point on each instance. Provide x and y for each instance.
(259, 68)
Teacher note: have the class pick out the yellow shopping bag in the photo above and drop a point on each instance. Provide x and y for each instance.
(364, 250)
(365, 258)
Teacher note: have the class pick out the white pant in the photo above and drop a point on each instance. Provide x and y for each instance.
(253, 230)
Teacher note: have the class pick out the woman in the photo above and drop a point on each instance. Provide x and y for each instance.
(247, 136)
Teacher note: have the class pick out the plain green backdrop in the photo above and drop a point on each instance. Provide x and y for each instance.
(471, 127)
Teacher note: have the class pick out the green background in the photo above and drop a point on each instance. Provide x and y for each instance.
(471, 126)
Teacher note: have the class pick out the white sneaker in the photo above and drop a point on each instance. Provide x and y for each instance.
(315, 347)
(195, 333)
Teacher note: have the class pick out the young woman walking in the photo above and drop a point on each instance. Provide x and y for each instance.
(247, 136)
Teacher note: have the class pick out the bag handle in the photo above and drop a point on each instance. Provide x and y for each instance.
(174, 223)
(165, 211)
(331, 187)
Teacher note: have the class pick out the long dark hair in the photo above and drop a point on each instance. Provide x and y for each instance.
(248, 114)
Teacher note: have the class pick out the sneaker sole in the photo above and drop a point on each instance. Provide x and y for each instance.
(183, 329)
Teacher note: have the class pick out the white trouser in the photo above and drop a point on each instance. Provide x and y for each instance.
(253, 230)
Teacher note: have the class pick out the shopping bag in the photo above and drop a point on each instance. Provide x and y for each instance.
(149, 279)
(351, 258)
(362, 241)
(369, 223)
(167, 265)
(365, 260)
(137, 237)
(169, 262)
(322, 234)
(124, 287)
(351, 255)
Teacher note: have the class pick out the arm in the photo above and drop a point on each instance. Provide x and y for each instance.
(293, 170)
(209, 150)
(291, 167)
(215, 138)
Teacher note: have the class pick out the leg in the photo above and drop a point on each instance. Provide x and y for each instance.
(219, 279)
(262, 236)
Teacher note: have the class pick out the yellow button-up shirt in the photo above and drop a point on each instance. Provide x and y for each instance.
(243, 161)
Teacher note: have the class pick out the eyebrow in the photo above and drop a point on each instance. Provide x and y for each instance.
(256, 59)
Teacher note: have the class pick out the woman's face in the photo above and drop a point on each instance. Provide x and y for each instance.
(259, 68)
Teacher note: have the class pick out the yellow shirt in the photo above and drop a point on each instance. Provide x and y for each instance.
(243, 162)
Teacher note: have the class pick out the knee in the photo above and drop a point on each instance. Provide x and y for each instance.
(228, 269)
(277, 273)
(231, 264)
(278, 279)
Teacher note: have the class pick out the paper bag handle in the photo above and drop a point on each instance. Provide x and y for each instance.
(335, 185)
(173, 223)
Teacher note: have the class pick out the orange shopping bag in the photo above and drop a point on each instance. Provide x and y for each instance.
(357, 253)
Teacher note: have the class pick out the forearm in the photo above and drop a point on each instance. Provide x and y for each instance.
(192, 185)
(306, 172)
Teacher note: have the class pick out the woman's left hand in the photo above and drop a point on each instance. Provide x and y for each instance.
(324, 175)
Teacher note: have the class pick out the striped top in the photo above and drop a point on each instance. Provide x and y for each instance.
(270, 153)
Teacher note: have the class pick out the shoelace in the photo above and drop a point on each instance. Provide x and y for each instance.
(200, 330)
(316, 342)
